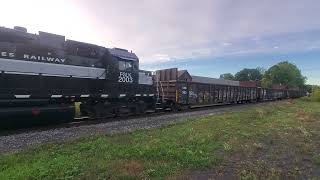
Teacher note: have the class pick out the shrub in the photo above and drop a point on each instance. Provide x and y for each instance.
(316, 95)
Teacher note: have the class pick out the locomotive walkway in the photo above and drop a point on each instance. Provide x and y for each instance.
(18, 142)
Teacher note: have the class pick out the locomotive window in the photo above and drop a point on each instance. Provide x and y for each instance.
(128, 65)
(135, 66)
(122, 65)
(125, 66)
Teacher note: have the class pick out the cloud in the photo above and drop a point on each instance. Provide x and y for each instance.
(171, 30)
(185, 29)
(162, 58)
(226, 44)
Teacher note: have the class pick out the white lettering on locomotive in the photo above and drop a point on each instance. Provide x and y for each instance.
(43, 58)
(34, 58)
(7, 54)
(125, 77)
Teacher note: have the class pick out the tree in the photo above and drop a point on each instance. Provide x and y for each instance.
(227, 76)
(248, 75)
(309, 88)
(261, 70)
(266, 83)
(284, 74)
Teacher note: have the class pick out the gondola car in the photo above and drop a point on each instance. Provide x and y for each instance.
(183, 90)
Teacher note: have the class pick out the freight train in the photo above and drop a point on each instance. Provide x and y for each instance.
(43, 75)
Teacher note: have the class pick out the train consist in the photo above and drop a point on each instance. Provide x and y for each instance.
(43, 75)
(190, 91)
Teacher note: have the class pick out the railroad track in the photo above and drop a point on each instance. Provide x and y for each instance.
(25, 139)
(124, 117)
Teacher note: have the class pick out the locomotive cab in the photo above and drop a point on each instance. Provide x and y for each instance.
(127, 65)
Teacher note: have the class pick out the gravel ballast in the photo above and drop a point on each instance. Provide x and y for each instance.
(18, 142)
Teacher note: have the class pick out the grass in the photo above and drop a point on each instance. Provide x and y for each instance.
(316, 95)
(256, 139)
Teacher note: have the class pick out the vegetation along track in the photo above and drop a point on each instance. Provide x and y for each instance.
(21, 140)
(90, 121)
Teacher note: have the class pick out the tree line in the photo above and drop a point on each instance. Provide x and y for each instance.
(281, 74)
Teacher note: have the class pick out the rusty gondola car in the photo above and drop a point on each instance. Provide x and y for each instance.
(184, 90)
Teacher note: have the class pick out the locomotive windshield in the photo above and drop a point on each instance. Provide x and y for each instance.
(125, 65)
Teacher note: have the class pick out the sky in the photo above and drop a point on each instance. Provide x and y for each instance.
(206, 37)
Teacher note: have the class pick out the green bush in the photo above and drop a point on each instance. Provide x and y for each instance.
(316, 95)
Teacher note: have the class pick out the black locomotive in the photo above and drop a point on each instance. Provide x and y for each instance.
(42, 76)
